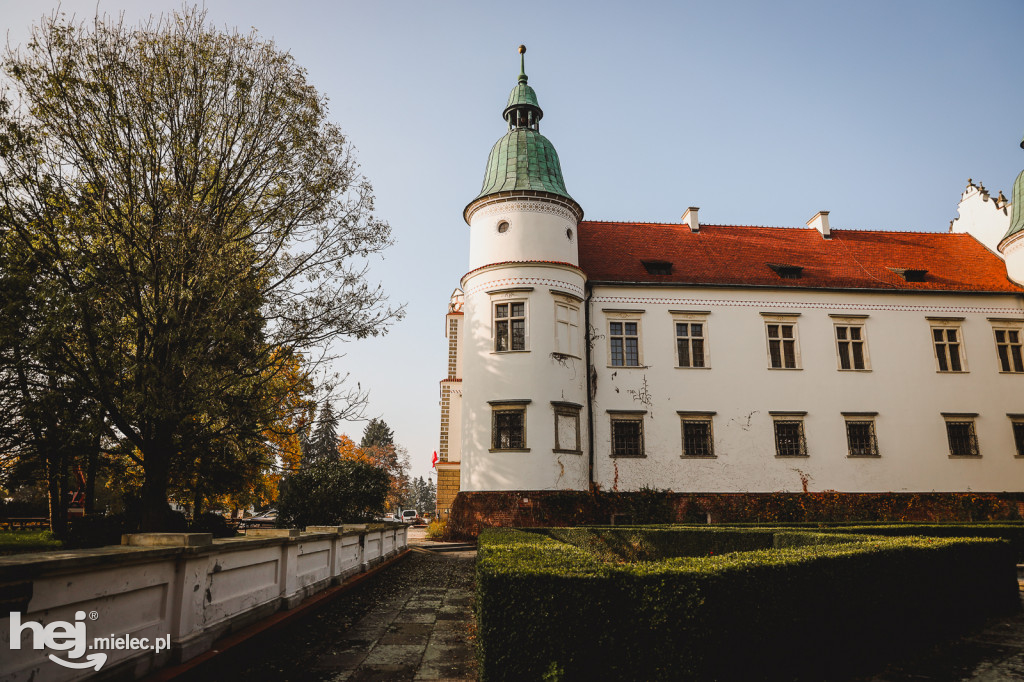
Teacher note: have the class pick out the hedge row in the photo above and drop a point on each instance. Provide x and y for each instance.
(570, 604)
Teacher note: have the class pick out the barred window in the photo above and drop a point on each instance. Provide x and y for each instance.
(963, 441)
(698, 440)
(948, 348)
(627, 435)
(1008, 348)
(624, 343)
(782, 346)
(851, 347)
(510, 326)
(860, 437)
(508, 425)
(789, 438)
(690, 344)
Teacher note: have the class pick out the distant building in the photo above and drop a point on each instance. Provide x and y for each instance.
(727, 358)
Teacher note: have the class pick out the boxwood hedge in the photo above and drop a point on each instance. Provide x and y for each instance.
(670, 603)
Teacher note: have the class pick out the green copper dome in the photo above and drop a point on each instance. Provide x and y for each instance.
(523, 159)
(1017, 207)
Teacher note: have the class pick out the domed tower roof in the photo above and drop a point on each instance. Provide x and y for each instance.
(523, 159)
(1017, 208)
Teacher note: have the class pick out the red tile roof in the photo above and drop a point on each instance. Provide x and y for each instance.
(738, 255)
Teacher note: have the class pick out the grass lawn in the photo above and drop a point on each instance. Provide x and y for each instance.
(21, 541)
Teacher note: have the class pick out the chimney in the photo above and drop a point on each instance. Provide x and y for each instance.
(820, 223)
(691, 217)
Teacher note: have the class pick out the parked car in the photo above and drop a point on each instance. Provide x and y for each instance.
(413, 517)
(267, 519)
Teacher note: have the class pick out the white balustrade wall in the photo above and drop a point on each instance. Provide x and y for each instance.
(183, 585)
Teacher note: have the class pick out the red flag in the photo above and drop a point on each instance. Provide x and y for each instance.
(433, 462)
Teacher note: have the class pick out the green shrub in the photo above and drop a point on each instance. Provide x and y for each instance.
(582, 604)
(435, 529)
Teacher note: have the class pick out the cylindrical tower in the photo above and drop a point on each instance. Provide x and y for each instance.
(524, 371)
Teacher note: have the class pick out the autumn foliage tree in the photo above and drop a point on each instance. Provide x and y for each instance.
(186, 201)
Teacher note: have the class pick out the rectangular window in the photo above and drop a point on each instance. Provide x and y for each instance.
(783, 349)
(860, 437)
(1008, 348)
(567, 427)
(508, 425)
(1018, 434)
(698, 440)
(948, 348)
(851, 346)
(510, 326)
(789, 435)
(690, 342)
(624, 343)
(963, 440)
(567, 329)
(627, 434)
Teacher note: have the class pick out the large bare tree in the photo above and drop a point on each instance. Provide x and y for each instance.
(191, 215)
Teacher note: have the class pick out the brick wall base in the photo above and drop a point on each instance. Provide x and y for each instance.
(472, 511)
(447, 489)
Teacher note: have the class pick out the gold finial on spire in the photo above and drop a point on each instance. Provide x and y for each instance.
(522, 49)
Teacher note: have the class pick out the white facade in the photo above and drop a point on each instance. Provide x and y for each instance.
(981, 215)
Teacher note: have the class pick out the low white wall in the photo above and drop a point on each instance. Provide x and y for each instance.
(192, 594)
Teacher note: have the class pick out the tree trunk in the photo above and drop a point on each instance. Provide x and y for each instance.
(92, 463)
(56, 485)
(155, 513)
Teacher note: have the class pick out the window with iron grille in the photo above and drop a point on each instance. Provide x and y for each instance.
(851, 346)
(860, 438)
(948, 348)
(1018, 435)
(1008, 348)
(627, 435)
(698, 440)
(783, 352)
(510, 326)
(508, 426)
(963, 441)
(624, 343)
(789, 438)
(690, 344)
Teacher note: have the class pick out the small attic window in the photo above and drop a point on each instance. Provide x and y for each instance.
(786, 271)
(657, 267)
(910, 275)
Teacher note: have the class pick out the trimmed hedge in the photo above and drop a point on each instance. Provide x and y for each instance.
(576, 604)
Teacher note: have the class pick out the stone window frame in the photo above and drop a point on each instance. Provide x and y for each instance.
(861, 418)
(779, 319)
(567, 409)
(1017, 433)
(964, 420)
(1008, 326)
(626, 416)
(510, 297)
(691, 416)
(625, 317)
(850, 322)
(788, 417)
(690, 317)
(941, 347)
(508, 406)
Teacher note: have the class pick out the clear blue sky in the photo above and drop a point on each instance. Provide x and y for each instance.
(760, 113)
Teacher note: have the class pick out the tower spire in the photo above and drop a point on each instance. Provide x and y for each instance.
(522, 64)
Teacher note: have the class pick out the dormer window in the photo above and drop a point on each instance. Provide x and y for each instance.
(786, 271)
(657, 267)
(909, 274)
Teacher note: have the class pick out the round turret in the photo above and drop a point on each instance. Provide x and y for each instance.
(1012, 243)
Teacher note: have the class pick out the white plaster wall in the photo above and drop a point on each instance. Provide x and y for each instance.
(1013, 252)
(980, 217)
(538, 231)
(903, 386)
(532, 375)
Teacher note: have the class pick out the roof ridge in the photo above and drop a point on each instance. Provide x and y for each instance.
(772, 227)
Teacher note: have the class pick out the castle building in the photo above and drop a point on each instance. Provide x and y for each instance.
(727, 358)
